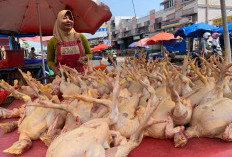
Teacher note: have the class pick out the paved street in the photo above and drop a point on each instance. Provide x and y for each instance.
(105, 62)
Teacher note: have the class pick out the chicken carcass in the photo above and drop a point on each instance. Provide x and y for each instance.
(34, 123)
(94, 136)
(164, 110)
(211, 119)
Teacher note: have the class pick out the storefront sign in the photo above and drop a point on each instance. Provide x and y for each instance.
(120, 41)
(137, 37)
(103, 28)
(177, 22)
(107, 42)
(217, 22)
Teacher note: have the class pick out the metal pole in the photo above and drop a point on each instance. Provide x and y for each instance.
(109, 26)
(225, 32)
(207, 12)
(41, 44)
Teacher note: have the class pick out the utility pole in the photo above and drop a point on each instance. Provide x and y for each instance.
(225, 32)
(207, 12)
(109, 26)
(40, 33)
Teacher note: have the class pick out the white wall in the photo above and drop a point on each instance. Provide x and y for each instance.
(118, 19)
(215, 2)
(168, 12)
(201, 1)
(228, 2)
(213, 13)
(190, 5)
(201, 15)
(143, 19)
(159, 14)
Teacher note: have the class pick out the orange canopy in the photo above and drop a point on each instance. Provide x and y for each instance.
(37, 38)
(163, 36)
(100, 47)
(21, 16)
(142, 42)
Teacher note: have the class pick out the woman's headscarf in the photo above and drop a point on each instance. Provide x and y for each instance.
(62, 35)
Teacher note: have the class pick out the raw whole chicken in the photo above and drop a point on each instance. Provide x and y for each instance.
(94, 136)
(211, 119)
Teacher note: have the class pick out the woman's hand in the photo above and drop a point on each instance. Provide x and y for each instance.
(83, 60)
(55, 70)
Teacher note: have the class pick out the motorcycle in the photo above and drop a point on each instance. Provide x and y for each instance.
(112, 57)
(217, 50)
(196, 55)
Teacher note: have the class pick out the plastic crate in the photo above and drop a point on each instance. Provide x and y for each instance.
(15, 58)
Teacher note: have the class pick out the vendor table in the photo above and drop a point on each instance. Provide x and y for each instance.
(197, 147)
(12, 73)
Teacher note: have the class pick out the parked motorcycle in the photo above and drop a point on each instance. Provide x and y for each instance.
(112, 57)
(217, 50)
(196, 55)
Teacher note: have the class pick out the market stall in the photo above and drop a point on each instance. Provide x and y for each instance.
(197, 147)
(18, 19)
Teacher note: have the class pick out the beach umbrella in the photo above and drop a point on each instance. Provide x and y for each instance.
(94, 49)
(20, 17)
(146, 47)
(132, 44)
(142, 42)
(39, 16)
(45, 39)
(100, 47)
(195, 31)
(163, 36)
(37, 38)
(220, 30)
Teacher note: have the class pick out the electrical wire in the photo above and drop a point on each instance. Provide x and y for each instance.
(134, 7)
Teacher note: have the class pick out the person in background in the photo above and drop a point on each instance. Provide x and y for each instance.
(3, 53)
(67, 47)
(204, 45)
(32, 54)
(0, 53)
(112, 53)
(215, 44)
(26, 53)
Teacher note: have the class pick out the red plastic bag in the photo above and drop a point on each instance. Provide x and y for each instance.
(3, 96)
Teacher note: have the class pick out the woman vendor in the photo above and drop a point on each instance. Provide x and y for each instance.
(67, 47)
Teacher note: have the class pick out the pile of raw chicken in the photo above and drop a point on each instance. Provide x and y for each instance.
(107, 113)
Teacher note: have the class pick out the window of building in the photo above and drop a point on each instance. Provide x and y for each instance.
(146, 23)
(169, 4)
(147, 28)
(185, 1)
(157, 26)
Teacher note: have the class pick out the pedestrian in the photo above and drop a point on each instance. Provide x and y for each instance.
(204, 45)
(3, 53)
(67, 47)
(215, 44)
(32, 54)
